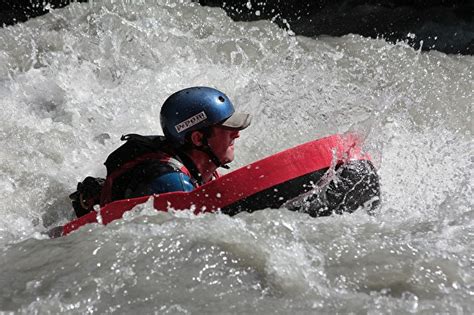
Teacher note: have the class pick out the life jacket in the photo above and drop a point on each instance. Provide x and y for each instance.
(124, 163)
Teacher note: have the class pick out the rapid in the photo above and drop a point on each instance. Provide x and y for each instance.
(73, 81)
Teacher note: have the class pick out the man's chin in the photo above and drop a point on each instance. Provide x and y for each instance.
(228, 159)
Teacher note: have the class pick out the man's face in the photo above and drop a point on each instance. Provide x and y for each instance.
(221, 142)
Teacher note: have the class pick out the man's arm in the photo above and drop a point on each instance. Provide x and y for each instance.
(157, 178)
(173, 181)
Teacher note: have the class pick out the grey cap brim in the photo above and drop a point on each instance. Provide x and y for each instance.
(238, 121)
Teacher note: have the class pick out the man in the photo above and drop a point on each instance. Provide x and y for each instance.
(199, 125)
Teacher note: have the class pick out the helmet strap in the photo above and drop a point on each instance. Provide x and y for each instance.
(207, 149)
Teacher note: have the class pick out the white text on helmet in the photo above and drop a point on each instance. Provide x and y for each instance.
(188, 123)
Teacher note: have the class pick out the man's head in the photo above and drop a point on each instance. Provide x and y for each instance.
(203, 118)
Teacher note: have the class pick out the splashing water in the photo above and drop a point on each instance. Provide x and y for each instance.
(73, 81)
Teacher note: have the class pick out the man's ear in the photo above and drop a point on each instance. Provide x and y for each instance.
(196, 138)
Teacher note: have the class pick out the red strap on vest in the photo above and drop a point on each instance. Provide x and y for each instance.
(106, 194)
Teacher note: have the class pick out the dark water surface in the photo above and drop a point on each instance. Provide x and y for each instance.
(73, 81)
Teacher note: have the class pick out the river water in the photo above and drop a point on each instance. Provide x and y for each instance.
(74, 80)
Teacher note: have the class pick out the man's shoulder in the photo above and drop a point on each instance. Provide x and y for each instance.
(171, 181)
(154, 168)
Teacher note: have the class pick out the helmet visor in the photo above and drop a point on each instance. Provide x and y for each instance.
(238, 121)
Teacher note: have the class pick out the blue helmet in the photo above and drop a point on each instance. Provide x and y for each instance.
(196, 108)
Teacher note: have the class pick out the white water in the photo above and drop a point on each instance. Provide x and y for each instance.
(73, 81)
